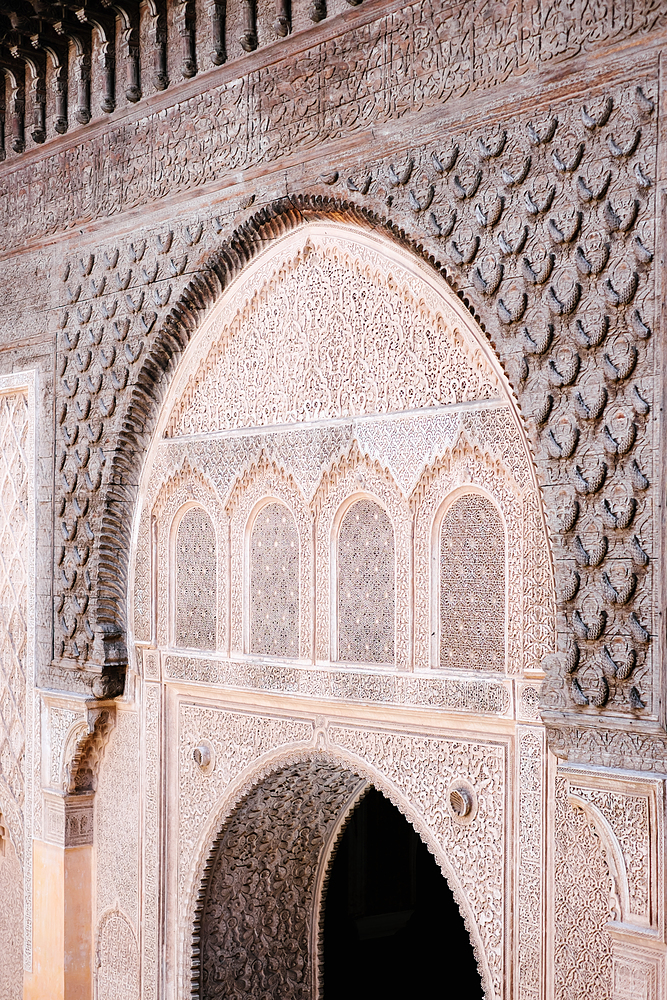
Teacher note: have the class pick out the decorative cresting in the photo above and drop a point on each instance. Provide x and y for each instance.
(254, 924)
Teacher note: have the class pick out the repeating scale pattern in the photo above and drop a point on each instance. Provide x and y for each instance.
(546, 225)
(14, 536)
(196, 591)
(472, 585)
(366, 585)
(274, 583)
(419, 57)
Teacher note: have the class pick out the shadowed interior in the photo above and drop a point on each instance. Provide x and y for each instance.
(392, 928)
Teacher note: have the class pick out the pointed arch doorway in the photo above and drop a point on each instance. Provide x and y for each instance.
(391, 927)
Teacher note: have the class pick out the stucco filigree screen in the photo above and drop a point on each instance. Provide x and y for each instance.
(196, 581)
(472, 585)
(274, 583)
(366, 585)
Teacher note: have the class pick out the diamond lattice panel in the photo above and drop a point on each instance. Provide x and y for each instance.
(196, 581)
(274, 583)
(472, 586)
(13, 592)
(366, 585)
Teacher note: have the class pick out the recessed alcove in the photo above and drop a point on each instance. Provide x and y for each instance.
(391, 928)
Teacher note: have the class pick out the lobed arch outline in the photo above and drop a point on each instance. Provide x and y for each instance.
(250, 779)
(462, 490)
(334, 560)
(183, 488)
(156, 376)
(266, 482)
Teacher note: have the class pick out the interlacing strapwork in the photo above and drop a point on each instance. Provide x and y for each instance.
(472, 585)
(366, 585)
(274, 583)
(196, 617)
(13, 595)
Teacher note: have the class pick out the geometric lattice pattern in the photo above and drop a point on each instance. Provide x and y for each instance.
(196, 588)
(472, 586)
(366, 582)
(14, 429)
(274, 583)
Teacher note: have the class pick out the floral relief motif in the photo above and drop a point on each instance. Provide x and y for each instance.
(331, 333)
(472, 585)
(422, 769)
(187, 487)
(196, 581)
(582, 895)
(259, 484)
(356, 475)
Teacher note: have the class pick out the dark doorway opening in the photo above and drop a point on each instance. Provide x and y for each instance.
(391, 926)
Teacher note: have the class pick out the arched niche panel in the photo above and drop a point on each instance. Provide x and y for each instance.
(260, 876)
(188, 499)
(117, 958)
(470, 612)
(356, 479)
(266, 492)
(195, 580)
(366, 584)
(273, 582)
(530, 622)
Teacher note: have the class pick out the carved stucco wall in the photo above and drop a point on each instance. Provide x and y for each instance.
(415, 772)
(407, 463)
(11, 921)
(19, 757)
(117, 821)
(559, 268)
(582, 892)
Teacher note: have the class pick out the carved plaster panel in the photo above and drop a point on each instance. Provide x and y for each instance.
(117, 958)
(287, 345)
(478, 696)
(262, 482)
(117, 829)
(627, 813)
(354, 477)
(186, 487)
(581, 900)
(466, 466)
(20, 762)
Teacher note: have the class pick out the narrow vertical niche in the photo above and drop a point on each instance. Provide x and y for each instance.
(366, 585)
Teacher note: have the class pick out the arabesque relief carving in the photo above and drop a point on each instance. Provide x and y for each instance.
(604, 640)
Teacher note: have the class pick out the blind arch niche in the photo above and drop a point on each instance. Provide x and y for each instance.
(365, 587)
(469, 584)
(195, 596)
(273, 581)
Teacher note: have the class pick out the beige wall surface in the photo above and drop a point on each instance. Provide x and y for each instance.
(333, 260)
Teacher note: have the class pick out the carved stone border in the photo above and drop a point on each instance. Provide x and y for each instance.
(27, 382)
